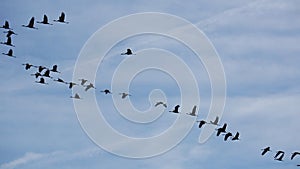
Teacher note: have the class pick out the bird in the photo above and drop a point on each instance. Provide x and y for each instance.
(37, 74)
(201, 123)
(175, 109)
(215, 122)
(128, 52)
(106, 91)
(221, 129)
(265, 150)
(47, 74)
(45, 21)
(27, 66)
(61, 18)
(9, 33)
(9, 53)
(89, 86)
(42, 81)
(124, 95)
(30, 24)
(54, 69)
(71, 84)
(83, 81)
(60, 80)
(193, 113)
(294, 154)
(160, 103)
(280, 158)
(236, 136)
(227, 135)
(6, 25)
(76, 96)
(40, 68)
(8, 42)
(278, 153)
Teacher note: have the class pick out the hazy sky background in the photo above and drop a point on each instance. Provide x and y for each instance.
(257, 41)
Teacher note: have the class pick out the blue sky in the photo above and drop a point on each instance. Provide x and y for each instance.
(257, 41)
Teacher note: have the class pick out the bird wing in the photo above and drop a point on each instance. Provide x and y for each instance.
(62, 16)
(8, 40)
(31, 22)
(194, 110)
(45, 20)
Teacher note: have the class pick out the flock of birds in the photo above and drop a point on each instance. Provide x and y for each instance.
(279, 155)
(43, 72)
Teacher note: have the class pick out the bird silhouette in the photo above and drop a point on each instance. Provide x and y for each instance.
(9, 33)
(128, 52)
(294, 154)
(27, 66)
(201, 123)
(61, 18)
(37, 74)
(54, 69)
(60, 80)
(71, 84)
(47, 74)
(40, 68)
(227, 135)
(106, 91)
(30, 24)
(221, 129)
(8, 42)
(236, 136)
(265, 150)
(278, 153)
(215, 122)
(6, 25)
(124, 95)
(9, 53)
(160, 103)
(42, 81)
(175, 110)
(89, 86)
(76, 96)
(45, 21)
(83, 81)
(193, 113)
(280, 158)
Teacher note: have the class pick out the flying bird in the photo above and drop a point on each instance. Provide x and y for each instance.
(83, 81)
(8, 42)
(221, 129)
(54, 69)
(42, 81)
(6, 25)
(227, 135)
(193, 113)
(160, 103)
(37, 74)
(89, 86)
(76, 96)
(30, 24)
(106, 91)
(265, 150)
(294, 154)
(128, 52)
(9, 53)
(280, 158)
(175, 109)
(201, 123)
(278, 153)
(124, 95)
(60, 80)
(71, 84)
(45, 21)
(27, 66)
(215, 122)
(47, 74)
(40, 68)
(9, 33)
(236, 136)
(61, 18)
